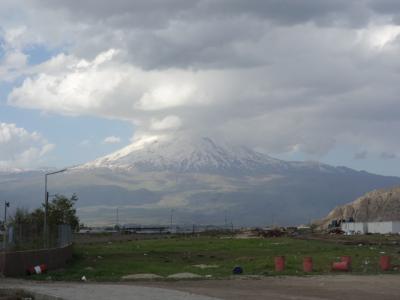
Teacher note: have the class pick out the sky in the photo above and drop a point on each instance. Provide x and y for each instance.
(299, 80)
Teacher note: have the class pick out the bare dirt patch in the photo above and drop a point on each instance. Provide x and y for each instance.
(351, 287)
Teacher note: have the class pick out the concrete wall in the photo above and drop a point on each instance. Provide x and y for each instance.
(354, 227)
(396, 227)
(371, 227)
(18, 262)
(380, 227)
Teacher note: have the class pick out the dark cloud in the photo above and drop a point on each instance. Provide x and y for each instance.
(200, 34)
(361, 155)
(386, 155)
(157, 12)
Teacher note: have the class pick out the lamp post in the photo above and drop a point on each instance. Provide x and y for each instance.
(46, 207)
(6, 204)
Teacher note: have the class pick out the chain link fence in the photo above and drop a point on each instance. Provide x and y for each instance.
(30, 236)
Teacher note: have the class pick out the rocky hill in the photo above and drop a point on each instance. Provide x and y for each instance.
(378, 205)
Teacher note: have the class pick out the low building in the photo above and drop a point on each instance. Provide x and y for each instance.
(386, 227)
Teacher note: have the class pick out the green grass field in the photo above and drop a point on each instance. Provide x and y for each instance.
(110, 261)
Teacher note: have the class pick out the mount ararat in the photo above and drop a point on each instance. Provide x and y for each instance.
(199, 181)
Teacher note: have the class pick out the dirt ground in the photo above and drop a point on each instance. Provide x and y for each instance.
(348, 287)
(338, 287)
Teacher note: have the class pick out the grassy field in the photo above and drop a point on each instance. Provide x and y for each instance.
(110, 261)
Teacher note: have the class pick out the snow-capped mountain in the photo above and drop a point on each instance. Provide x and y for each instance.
(183, 154)
(201, 179)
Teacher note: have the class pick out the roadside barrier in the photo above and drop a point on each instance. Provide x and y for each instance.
(279, 263)
(384, 263)
(37, 269)
(343, 266)
(308, 264)
(347, 259)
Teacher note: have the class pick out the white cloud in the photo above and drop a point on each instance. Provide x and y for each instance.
(379, 36)
(166, 96)
(104, 86)
(169, 122)
(297, 75)
(20, 148)
(112, 140)
(13, 63)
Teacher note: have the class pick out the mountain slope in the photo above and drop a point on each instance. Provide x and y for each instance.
(183, 154)
(201, 180)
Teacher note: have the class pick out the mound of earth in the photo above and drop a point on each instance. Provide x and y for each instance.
(143, 276)
(184, 276)
(378, 205)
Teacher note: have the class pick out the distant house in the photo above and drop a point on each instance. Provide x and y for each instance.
(371, 227)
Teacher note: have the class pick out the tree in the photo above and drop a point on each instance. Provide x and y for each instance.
(21, 216)
(61, 210)
(37, 217)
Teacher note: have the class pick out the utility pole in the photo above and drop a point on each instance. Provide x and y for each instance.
(117, 219)
(6, 204)
(226, 220)
(172, 213)
(46, 208)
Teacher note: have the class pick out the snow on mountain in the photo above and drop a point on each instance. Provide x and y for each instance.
(184, 154)
(201, 178)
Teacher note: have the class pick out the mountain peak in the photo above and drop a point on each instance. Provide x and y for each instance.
(184, 154)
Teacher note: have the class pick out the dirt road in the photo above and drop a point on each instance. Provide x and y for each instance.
(95, 291)
(349, 287)
(338, 287)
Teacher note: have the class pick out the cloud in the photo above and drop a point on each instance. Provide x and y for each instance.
(112, 140)
(361, 155)
(169, 122)
(13, 62)
(278, 75)
(385, 155)
(20, 148)
(104, 86)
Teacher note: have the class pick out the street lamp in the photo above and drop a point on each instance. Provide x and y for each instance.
(46, 206)
(6, 204)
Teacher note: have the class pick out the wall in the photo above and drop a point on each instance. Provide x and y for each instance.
(354, 227)
(396, 227)
(380, 227)
(371, 227)
(18, 262)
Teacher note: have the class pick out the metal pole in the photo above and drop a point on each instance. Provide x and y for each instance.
(172, 211)
(46, 208)
(226, 220)
(5, 226)
(46, 205)
(117, 218)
